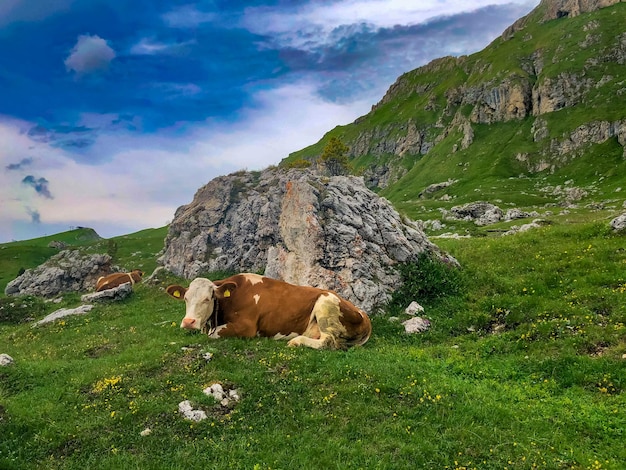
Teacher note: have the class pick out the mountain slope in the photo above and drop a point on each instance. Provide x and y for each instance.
(543, 104)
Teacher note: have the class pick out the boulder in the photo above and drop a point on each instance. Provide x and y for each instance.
(481, 213)
(109, 295)
(63, 312)
(619, 223)
(298, 226)
(67, 271)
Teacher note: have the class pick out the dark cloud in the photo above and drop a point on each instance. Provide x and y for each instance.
(35, 216)
(40, 185)
(72, 138)
(18, 166)
(351, 46)
(361, 56)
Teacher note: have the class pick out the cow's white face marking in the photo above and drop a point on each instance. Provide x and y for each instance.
(254, 278)
(256, 298)
(199, 302)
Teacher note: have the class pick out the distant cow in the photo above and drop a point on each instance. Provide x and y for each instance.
(117, 279)
(249, 305)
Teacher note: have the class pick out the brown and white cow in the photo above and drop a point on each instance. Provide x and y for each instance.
(249, 305)
(117, 279)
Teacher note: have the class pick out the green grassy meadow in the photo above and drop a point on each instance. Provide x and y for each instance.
(524, 367)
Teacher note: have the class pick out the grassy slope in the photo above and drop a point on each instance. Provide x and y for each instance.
(524, 369)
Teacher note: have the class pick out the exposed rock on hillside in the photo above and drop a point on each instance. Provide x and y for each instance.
(70, 270)
(297, 226)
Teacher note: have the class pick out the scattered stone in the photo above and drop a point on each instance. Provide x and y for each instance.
(618, 223)
(145, 432)
(185, 408)
(433, 224)
(416, 325)
(64, 312)
(414, 308)
(523, 228)
(433, 188)
(452, 235)
(110, 295)
(6, 360)
(59, 245)
(481, 213)
(514, 214)
(220, 395)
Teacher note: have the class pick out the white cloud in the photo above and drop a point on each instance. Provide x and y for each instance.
(90, 54)
(187, 16)
(148, 46)
(146, 177)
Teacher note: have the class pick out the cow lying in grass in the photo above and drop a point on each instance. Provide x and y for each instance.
(117, 279)
(249, 305)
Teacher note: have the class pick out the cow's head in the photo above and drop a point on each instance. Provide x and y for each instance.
(201, 299)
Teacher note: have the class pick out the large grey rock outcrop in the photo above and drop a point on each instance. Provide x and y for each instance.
(68, 271)
(297, 226)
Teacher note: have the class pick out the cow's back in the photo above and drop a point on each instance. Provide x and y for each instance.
(276, 306)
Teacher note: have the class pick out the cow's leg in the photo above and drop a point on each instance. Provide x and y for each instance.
(332, 333)
(240, 329)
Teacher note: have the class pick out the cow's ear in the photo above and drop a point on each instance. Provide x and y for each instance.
(178, 292)
(225, 290)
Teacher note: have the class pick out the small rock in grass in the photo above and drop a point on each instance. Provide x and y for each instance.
(185, 408)
(416, 325)
(6, 360)
(414, 308)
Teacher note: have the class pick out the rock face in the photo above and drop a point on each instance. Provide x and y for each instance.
(296, 226)
(70, 270)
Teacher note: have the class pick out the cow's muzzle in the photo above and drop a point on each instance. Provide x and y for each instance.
(188, 323)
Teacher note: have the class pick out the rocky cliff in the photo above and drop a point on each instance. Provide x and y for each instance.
(297, 226)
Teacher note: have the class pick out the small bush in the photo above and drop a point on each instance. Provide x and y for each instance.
(426, 279)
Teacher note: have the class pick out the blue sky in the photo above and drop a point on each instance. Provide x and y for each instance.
(113, 112)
